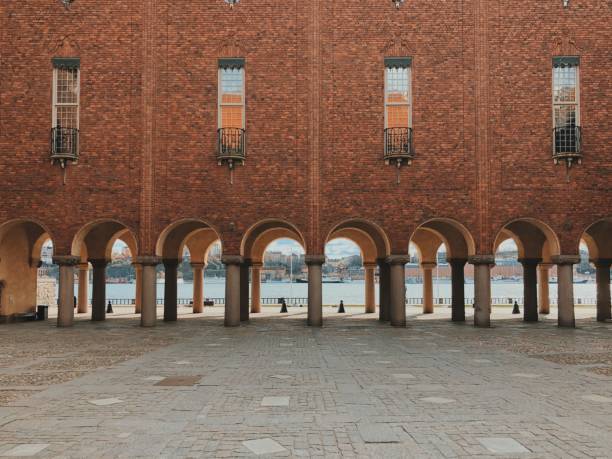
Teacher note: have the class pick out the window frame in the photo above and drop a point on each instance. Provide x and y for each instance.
(241, 65)
(576, 101)
(388, 65)
(54, 102)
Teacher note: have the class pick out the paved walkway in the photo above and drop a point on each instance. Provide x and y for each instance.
(355, 388)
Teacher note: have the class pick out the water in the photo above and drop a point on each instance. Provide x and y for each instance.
(350, 292)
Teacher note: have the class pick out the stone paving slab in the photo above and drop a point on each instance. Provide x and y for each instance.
(410, 398)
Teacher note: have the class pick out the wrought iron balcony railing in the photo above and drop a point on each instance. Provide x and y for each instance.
(567, 144)
(64, 145)
(398, 145)
(231, 146)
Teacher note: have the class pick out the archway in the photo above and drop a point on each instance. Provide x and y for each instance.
(198, 237)
(374, 246)
(21, 244)
(598, 239)
(536, 246)
(93, 245)
(254, 245)
(459, 245)
(349, 272)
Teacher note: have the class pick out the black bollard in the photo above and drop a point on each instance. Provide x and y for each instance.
(341, 308)
(284, 307)
(515, 309)
(109, 308)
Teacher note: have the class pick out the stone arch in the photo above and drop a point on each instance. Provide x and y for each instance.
(598, 238)
(370, 238)
(21, 241)
(259, 236)
(173, 238)
(534, 238)
(434, 232)
(94, 240)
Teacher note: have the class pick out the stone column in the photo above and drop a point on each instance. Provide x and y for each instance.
(232, 289)
(458, 289)
(256, 287)
(244, 291)
(98, 297)
(384, 288)
(170, 290)
(397, 296)
(604, 309)
(315, 289)
(428, 306)
(530, 288)
(83, 299)
(370, 294)
(65, 303)
(482, 289)
(198, 287)
(138, 299)
(544, 292)
(148, 297)
(565, 289)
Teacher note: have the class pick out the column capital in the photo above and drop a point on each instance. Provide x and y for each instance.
(314, 259)
(147, 260)
(66, 260)
(482, 260)
(171, 261)
(99, 262)
(398, 259)
(370, 265)
(247, 262)
(232, 260)
(565, 259)
(256, 264)
(457, 261)
(529, 261)
(603, 262)
(83, 266)
(198, 265)
(136, 266)
(428, 265)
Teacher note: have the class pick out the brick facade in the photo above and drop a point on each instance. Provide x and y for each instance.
(481, 74)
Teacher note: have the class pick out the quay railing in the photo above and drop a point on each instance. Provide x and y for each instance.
(301, 301)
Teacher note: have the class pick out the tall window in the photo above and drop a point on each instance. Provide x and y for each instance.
(231, 93)
(66, 93)
(397, 93)
(566, 104)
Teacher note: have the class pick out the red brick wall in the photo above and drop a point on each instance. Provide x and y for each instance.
(481, 106)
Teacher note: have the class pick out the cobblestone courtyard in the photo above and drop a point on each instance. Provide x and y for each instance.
(355, 388)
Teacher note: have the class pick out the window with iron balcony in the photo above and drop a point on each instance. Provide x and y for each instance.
(64, 142)
(398, 149)
(231, 132)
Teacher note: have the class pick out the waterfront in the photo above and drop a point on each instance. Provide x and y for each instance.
(349, 292)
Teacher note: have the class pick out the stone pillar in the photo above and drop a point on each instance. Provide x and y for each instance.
(138, 299)
(384, 288)
(148, 297)
(65, 303)
(370, 294)
(244, 291)
(198, 287)
(256, 287)
(530, 288)
(397, 296)
(565, 289)
(170, 290)
(98, 297)
(232, 289)
(428, 304)
(482, 289)
(83, 299)
(315, 289)
(544, 292)
(604, 309)
(458, 289)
